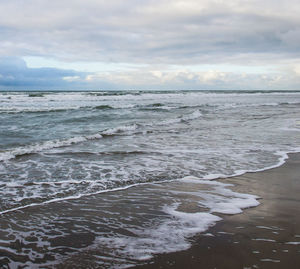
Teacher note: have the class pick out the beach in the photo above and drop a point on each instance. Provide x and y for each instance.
(148, 178)
(150, 134)
(267, 236)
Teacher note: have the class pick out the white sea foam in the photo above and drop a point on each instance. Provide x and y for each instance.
(187, 117)
(263, 239)
(195, 115)
(269, 228)
(283, 156)
(172, 232)
(226, 201)
(270, 260)
(293, 243)
(50, 101)
(214, 176)
(71, 197)
(208, 234)
(120, 129)
(175, 226)
(168, 236)
(38, 147)
(234, 205)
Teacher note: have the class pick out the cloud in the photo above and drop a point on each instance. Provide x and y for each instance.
(152, 31)
(190, 80)
(296, 69)
(155, 34)
(14, 73)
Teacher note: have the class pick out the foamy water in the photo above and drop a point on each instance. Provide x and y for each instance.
(68, 149)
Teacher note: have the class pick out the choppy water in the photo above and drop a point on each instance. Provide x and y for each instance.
(66, 149)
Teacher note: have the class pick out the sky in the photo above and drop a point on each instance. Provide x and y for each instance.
(149, 44)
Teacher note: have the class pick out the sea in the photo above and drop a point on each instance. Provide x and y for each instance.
(109, 179)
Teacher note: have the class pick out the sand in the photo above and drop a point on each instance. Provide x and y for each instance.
(267, 236)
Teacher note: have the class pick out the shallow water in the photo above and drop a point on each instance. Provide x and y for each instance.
(57, 149)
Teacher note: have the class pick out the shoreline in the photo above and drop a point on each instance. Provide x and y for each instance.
(284, 156)
(266, 236)
(119, 229)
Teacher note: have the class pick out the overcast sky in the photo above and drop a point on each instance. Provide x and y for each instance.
(150, 44)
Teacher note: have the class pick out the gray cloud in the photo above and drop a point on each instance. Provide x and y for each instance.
(156, 34)
(14, 73)
(169, 32)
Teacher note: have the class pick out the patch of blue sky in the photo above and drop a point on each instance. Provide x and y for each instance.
(39, 62)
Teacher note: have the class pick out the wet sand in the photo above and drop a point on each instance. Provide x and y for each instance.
(267, 236)
(118, 229)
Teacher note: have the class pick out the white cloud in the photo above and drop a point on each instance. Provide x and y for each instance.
(185, 79)
(155, 33)
(296, 69)
(212, 76)
(72, 78)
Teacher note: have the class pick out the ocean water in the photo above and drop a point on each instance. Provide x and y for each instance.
(112, 178)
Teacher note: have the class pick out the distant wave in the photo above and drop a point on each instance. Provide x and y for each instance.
(156, 107)
(47, 94)
(114, 93)
(15, 110)
(38, 147)
(103, 153)
(120, 130)
(195, 115)
(187, 117)
(244, 105)
(36, 94)
(103, 107)
(54, 104)
(130, 129)
(218, 106)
